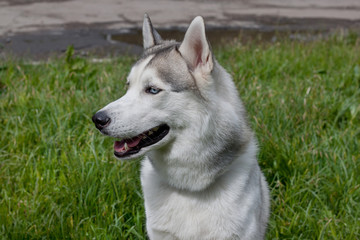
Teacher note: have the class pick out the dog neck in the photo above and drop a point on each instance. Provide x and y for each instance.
(196, 167)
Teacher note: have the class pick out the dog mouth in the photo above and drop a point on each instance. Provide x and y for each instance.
(130, 146)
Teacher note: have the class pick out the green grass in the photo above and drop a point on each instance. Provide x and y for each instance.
(59, 180)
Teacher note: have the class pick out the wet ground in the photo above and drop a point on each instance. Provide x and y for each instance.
(95, 42)
(38, 29)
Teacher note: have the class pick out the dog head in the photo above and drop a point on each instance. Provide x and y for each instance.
(167, 93)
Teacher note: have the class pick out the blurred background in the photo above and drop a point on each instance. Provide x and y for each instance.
(40, 28)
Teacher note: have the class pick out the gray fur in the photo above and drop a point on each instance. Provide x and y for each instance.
(150, 36)
(179, 78)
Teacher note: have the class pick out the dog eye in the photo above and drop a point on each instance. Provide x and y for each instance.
(152, 90)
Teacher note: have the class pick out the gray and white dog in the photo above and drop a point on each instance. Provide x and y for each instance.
(200, 175)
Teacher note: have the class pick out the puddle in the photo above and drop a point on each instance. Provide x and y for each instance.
(103, 44)
(220, 36)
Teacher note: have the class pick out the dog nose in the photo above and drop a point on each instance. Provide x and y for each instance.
(101, 120)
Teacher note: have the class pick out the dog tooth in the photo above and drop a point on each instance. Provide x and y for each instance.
(156, 128)
(126, 147)
(150, 132)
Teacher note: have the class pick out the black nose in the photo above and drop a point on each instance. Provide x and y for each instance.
(101, 120)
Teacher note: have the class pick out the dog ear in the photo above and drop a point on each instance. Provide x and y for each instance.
(195, 47)
(150, 36)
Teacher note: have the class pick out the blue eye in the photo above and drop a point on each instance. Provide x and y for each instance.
(152, 90)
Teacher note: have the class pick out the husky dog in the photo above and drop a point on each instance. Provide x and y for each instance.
(200, 175)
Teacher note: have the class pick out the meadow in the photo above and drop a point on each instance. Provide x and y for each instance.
(59, 179)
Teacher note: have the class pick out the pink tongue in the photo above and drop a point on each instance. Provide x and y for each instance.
(133, 142)
(119, 146)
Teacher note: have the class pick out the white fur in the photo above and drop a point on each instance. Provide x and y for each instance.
(202, 180)
(228, 209)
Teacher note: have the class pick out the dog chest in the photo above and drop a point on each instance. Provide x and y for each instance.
(212, 215)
